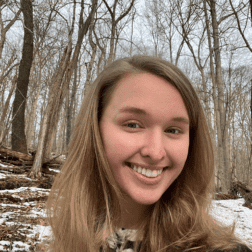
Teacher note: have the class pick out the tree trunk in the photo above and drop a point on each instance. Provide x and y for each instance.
(5, 109)
(30, 128)
(222, 137)
(18, 123)
(5, 135)
(60, 136)
(55, 115)
(250, 128)
(98, 66)
(219, 166)
(91, 63)
(70, 106)
(83, 29)
(45, 125)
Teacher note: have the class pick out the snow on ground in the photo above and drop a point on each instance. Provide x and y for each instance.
(229, 211)
(23, 224)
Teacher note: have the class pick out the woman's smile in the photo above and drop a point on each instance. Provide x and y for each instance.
(144, 178)
(147, 171)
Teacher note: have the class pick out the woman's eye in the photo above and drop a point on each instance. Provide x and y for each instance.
(173, 131)
(132, 125)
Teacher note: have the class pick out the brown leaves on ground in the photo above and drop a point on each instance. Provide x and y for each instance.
(12, 182)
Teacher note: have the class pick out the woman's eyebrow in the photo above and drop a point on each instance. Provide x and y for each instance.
(181, 119)
(133, 110)
(138, 111)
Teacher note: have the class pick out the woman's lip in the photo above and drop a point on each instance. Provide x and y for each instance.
(146, 167)
(146, 180)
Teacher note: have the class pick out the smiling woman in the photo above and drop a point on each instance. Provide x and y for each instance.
(140, 167)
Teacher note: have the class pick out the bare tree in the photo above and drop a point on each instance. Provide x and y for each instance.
(224, 164)
(83, 29)
(114, 22)
(5, 29)
(45, 126)
(239, 27)
(162, 18)
(59, 83)
(3, 121)
(18, 123)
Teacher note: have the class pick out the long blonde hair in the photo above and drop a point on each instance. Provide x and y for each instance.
(80, 204)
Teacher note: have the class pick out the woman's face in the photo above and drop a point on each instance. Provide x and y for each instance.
(145, 132)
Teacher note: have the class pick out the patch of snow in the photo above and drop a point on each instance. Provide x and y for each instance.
(10, 205)
(55, 170)
(2, 243)
(38, 189)
(45, 232)
(20, 246)
(2, 176)
(37, 214)
(5, 171)
(23, 176)
(2, 220)
(5, 165)
(230, 211)
(20, 189)
(8, 216)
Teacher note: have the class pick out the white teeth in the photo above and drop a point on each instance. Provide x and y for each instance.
(155, 173)
(147, 172)
(144, 171)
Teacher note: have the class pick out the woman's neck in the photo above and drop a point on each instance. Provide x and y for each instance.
(132, 213)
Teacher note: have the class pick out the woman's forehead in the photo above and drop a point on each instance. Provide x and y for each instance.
(146, 93)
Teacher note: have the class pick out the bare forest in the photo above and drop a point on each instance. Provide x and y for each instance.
(52, 50)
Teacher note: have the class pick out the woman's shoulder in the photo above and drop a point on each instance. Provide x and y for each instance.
(239, 248)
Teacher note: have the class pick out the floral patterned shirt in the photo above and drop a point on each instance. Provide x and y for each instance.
(123, 240)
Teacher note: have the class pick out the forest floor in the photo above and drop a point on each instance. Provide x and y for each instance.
(23, 223)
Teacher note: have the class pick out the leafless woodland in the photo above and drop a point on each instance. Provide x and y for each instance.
(52, 50)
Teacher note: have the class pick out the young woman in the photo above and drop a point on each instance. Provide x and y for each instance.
(140, 167)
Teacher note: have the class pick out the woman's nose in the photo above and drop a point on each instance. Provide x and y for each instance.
(153, 146)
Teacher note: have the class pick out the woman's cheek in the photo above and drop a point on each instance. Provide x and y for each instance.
(127, 142)
(181, 151)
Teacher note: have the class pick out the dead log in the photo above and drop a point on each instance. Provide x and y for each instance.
(13, 169)
(53, 165)
(16, 154)
(248, 200)
(27, 160)
(18, 162)
(222, 196)
(239, 188)
(55, 160)
(14, 182)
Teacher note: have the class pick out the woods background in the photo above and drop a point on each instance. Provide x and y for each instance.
(51, 51)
